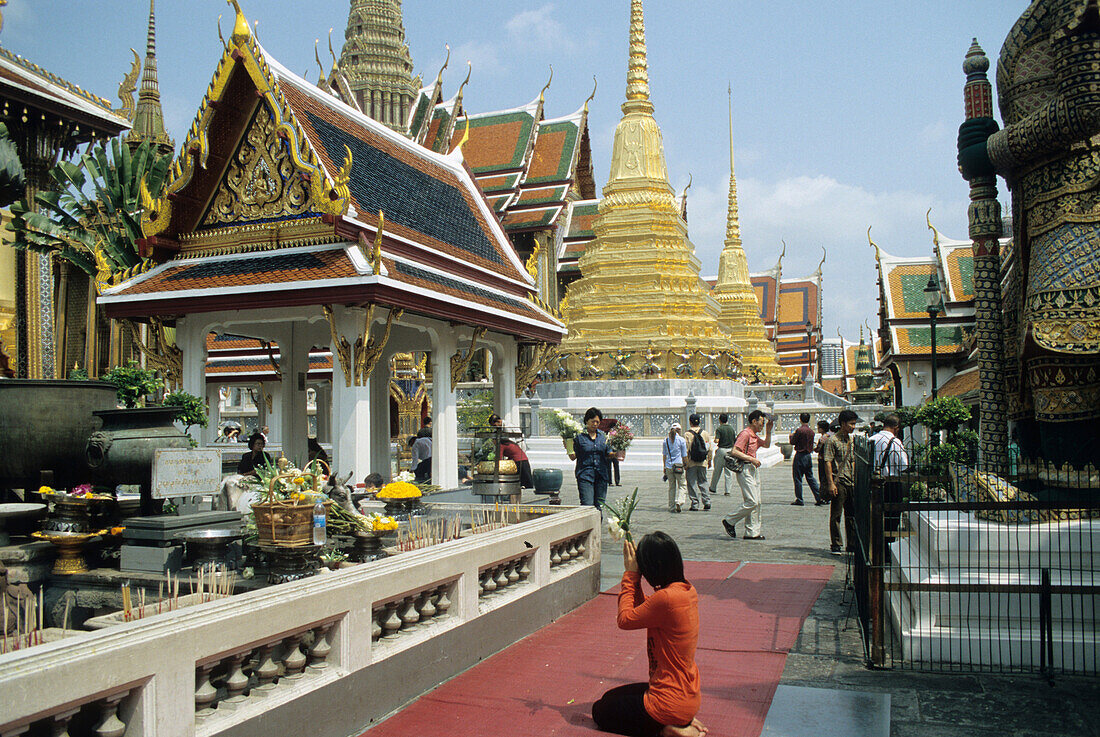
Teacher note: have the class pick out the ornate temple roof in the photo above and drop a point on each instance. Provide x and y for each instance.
(25, 82)
(287, 206)
(580, 231)
(903, 310)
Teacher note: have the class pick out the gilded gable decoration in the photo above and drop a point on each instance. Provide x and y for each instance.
(260, 183)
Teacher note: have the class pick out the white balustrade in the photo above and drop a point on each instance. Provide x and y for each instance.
(224, 663)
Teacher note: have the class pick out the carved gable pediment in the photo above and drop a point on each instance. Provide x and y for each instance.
(261, 183)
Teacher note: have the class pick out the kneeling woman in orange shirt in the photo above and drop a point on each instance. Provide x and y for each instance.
(668, 703)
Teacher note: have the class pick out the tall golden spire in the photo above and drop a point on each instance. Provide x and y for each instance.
(637, 72)
(640, 276)
(376, 61)
(740, 310)
(148, 123)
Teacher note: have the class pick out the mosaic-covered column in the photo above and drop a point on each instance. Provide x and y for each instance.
(985, 231)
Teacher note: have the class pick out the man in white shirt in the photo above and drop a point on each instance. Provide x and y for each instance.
(890, 460)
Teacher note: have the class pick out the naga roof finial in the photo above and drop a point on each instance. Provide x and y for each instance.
(935, 233)
(878, 251)
(542, 92)
(824, 253)
(595, 84)
(439, 77)
(220, 36)
(332, 53)
(241, 31)
(317, 56)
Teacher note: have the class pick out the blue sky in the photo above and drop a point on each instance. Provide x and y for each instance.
(845, 113)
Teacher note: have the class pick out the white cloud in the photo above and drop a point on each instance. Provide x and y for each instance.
(936, 132)
(537, 28)
(484, 56)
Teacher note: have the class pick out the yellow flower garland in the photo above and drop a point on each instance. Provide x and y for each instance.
(399, 490)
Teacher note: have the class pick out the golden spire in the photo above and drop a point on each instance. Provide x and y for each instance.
(639, 288)
(637, 73)
(734, 291)
(733, 221)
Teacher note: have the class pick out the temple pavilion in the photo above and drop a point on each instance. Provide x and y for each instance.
(292, 217)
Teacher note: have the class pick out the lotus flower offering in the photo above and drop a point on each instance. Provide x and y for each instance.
(618, 516)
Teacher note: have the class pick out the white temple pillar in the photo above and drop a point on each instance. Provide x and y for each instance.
(213, 412)
(191, 339)
(379, 389)
(351, 415)
(444, 412)
(294, 364)
(505, 355)
(324, 411)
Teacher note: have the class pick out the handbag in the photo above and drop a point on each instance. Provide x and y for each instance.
(737, 465)
(677, 467)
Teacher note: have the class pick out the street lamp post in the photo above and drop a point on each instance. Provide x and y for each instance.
(934, 300)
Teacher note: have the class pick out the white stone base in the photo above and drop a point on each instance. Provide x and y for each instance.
(999, 628)
(644, 454)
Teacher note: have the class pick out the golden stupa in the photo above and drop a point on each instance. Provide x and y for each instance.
(640, 308)
(734, 293)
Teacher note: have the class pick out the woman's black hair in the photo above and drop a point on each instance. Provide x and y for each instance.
(659, 560)
(257, 435)
(592, 412)
(823, 425)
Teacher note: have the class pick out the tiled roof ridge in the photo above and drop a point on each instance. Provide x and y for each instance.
(530, 108)
(49, 76)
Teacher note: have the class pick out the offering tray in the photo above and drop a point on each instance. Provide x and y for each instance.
(368, 545)
(212, 546)
(70, 549)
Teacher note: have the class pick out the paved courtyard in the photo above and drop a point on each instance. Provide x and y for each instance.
(829, 651)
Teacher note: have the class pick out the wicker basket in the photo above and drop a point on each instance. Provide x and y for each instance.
(285, 523)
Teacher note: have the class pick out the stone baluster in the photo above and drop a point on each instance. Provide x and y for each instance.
(59, 723)
(488, 584)
(427, 607)
(555, 555)
(321, 648)
(501, 578)
(409, 615)
(513, 572)
(580, 544)
(376, 624)
(236, 683)
(573, 549)
(205, 693)
(443, 601)
(110, 725)
(525, 569)
(295, 660)
(391, 623)
(267, 670)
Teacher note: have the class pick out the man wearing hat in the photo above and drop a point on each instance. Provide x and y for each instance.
(674, 450)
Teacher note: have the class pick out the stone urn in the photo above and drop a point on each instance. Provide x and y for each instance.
(46, 424)
(787, 450)
(548, 481)
(121, 452)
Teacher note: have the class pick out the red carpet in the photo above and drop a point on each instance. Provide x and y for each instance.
(546, 683)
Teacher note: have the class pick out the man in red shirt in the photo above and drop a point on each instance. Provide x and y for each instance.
(803, 441)
(745, 447)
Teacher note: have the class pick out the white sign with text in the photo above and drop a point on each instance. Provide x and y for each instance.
(186, 473)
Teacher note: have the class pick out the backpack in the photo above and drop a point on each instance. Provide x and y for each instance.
(698, 450)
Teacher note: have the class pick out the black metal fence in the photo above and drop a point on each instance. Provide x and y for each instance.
(956, 568)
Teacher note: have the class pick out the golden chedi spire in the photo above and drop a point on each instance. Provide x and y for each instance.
(148, 122)
(376, 61)
(734, 292)
(640, 291)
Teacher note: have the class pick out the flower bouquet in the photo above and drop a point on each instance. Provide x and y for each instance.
(618, 516)
(563, 424)
(619, 438)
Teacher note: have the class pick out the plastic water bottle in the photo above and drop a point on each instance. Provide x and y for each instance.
(319, 524)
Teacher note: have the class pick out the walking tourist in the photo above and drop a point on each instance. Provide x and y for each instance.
(840, 480)
(593, 469)
(823, 431)
(723, 438)
(745, 447)
(699, 457)
(674, 451)
(890, 460)
(803, 441)
(425, 430)
(668, 702)
(256, 456)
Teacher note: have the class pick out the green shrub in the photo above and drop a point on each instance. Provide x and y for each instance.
(133, 383)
